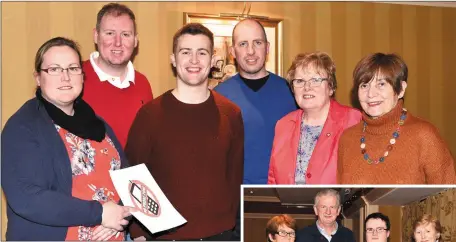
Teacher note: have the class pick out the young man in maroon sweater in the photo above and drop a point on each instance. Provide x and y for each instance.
(112, 86)
(192, 141)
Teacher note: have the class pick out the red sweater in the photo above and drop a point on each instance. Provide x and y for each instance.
(195, 152)
(118, 107)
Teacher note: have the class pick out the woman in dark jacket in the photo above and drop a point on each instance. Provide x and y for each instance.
(56, 157)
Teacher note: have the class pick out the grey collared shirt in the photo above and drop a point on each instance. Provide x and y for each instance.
(327, 236)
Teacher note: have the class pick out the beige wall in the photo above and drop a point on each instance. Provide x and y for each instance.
(394, 214)
(424, 36)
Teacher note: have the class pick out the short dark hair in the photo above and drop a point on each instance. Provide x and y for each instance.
(116, 10)
(249, 19)
(57, 41)
(275, 222)
(193, 29)
(380, 216)
(392, 66)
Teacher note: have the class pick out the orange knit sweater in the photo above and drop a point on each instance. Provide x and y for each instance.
(419, 156)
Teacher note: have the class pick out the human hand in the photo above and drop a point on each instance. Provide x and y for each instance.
(113, 216)
(142, 238)
(102, 233)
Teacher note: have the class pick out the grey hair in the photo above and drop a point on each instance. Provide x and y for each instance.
(326, 192)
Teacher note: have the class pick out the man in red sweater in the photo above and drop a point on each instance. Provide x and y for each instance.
(192, 141)
(112, 86)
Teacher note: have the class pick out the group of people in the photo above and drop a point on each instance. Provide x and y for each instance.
(90, 117)
(327, 207)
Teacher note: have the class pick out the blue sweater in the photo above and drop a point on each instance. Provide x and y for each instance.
(260, 112)
(37, 180)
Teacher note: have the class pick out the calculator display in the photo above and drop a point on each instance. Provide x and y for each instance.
(136, 192)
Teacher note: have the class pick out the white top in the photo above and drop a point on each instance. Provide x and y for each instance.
(327, 236)
(114, 80)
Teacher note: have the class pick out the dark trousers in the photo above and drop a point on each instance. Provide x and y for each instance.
(237, 227)
(223, 236)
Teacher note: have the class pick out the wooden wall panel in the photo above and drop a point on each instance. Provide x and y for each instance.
(436, 75)
(394, 214)
(424, 36)
(449, 76)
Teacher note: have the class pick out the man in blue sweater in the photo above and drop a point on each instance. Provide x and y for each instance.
(263, 97)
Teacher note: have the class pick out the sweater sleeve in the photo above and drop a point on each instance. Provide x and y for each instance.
(435, 157)
(236, 155)
(137, 149)
(138, 143)
(27, 176)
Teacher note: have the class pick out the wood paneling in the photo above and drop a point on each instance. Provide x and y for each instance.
(424, 36)
(394, 214)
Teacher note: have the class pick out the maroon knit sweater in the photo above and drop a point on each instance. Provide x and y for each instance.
(195, 152)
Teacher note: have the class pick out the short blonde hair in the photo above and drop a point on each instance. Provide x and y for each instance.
(321, 61)
(426, 219)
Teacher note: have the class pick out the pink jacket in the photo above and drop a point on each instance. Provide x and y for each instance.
(323, 163)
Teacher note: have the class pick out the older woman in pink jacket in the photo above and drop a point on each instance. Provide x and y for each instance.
(306, 140)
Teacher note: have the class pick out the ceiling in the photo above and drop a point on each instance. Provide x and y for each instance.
(300, 200)
(430, 3)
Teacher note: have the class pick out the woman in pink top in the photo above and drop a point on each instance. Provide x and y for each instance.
(306, 140)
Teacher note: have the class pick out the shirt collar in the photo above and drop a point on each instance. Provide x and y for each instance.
(114, 80)
(323, 232)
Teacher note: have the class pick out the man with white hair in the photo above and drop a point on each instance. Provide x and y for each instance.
(327, 207)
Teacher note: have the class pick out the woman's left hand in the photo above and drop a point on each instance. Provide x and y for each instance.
(102, 233)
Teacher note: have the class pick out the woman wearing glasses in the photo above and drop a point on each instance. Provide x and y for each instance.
(306, 140)
(281, 228)
(390, 145)
(56, 157)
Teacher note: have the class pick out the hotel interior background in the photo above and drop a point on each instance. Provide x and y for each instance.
(425, 36)
(402, 205)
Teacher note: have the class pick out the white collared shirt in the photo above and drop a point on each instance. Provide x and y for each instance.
(323, 232)
(114, 80)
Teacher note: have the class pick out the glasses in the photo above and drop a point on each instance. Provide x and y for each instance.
(379, 230)
(282, 233)
(314, 82)
(57, 71)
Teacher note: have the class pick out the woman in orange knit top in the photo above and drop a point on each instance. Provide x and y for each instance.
(390, 145)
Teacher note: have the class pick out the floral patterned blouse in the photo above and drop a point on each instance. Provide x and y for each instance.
(90, 165)
(307, 141)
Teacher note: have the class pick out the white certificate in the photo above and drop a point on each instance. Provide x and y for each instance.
(137, 188)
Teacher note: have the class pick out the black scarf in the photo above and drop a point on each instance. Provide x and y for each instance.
(84, 123)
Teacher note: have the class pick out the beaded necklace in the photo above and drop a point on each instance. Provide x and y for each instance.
(389, 147)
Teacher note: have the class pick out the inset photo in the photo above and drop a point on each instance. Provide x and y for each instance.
(349, 214)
